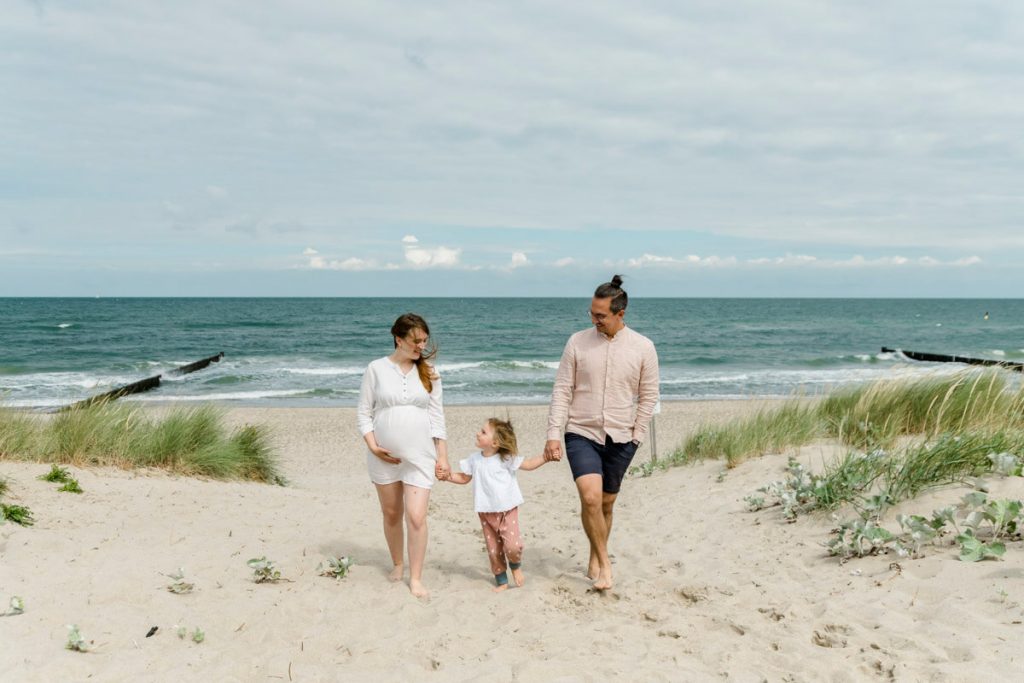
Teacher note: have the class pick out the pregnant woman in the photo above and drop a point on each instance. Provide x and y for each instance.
(402, 421)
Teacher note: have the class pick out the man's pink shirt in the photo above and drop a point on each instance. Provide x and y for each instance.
(605, 386)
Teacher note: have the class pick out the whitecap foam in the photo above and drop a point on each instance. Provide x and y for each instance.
(325, 372)
(998, 352)
(227, 396)
(455, 367)
(64, 326)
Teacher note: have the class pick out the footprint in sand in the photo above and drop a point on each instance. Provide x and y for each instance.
(831, 635)
(692, 594)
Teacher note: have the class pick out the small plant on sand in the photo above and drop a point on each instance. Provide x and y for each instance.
(858, 538)
(17, 606)
(979, 525)
(3, 486)
(263, 570)
(997, 520)
(57, 474)
(797, 493)
(71, 486)
(335, 567)
(198, 635)
(178, 585)
(17, 514)
(75, 642)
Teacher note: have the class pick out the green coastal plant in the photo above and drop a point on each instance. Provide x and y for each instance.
(980, 526)
(71, 487)
(263, 570)
(179, 585)
(75, 642)
(18, 514)
(56, 474)
(335, 567)
(16, 606)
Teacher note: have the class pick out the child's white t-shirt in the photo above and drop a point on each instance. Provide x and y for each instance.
(495, 488)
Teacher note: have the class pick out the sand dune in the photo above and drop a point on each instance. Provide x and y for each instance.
(704, 589)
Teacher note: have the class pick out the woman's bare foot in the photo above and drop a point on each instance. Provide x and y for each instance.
(517, 576)
(594, 570)
(500, 588)
(604, 581)
(417, 589)
(396, 573)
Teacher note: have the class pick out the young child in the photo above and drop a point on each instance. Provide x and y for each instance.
(497, 497)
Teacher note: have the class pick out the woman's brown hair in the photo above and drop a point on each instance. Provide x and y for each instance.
(405, 324)
(504, 437)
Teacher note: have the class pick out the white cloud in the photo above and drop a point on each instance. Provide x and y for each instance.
(566, 261)
(690, 260)
(438, 257)
(793, 261)
(415, 257)
(216, 191)
(519, 260)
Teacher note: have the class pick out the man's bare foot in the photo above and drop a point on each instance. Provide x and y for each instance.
(417, 589)
(517, 576)
(500, 588)
(396, 573)
(604, 581)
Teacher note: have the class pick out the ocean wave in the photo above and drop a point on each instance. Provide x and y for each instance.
(226, 396)
(64, 326)
(326, 371)
(499, 365)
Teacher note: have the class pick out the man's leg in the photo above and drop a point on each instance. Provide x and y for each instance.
(592, 514)
(615, 460)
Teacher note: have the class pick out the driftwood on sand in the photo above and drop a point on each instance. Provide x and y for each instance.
(942, 358)
(144, 384)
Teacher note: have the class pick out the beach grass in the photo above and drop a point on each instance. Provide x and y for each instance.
(906, 436)
(795, 423)
(868, 417)
(190, 441)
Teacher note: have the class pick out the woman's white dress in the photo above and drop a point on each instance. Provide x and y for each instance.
(405, 419)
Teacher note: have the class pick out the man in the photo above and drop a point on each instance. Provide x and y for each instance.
(604, 395)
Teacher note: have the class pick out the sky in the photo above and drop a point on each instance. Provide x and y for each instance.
(785, 149)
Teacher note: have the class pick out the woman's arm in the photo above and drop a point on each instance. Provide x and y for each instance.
(364, 415)
(438, 429)
(441, 467)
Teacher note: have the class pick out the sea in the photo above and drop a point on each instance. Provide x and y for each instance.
(312, 352)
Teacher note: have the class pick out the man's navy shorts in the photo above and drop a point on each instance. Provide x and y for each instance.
(610, 460)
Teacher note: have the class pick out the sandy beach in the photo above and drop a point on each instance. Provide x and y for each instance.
(705, 590)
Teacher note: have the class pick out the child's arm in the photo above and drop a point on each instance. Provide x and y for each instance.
(459, 478)
(533, 463)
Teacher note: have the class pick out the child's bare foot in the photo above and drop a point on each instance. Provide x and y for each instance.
(500, 588)
(517, 576)
(396, 573)
(417, 589)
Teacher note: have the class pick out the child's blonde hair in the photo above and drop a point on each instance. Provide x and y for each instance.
(504, 437)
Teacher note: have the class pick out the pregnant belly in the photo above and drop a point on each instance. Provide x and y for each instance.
(403, 428)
